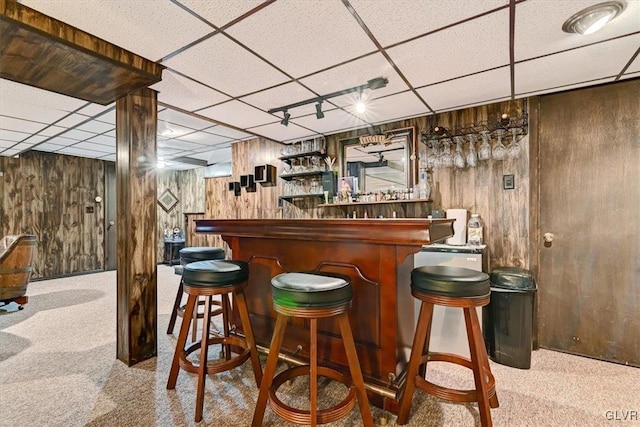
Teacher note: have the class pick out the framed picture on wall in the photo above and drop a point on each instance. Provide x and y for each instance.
(167, 200)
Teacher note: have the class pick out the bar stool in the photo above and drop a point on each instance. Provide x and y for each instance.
(187, 255)
(312, 296)
(208, 278)
(451, 287)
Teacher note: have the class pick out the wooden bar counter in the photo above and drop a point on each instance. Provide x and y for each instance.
(378, 256)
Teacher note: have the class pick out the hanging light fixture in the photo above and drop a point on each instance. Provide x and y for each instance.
(377, 83)
(593, 18)
(285, 120)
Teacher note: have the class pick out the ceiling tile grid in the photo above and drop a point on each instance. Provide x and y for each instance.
(185, 93)
(220, 16)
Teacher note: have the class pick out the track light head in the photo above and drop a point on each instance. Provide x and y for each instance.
(285, 120)
(319, 113)
(377, 83)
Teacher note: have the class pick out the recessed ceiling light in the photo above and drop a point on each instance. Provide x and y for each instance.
(593, 18)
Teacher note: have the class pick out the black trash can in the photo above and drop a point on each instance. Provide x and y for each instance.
(507, 321)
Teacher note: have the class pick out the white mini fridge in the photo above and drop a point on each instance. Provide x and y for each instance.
(448, 332)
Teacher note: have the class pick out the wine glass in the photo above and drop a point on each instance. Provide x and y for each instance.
(458, 157)
(432, 157)
(499, 150)
(446, 159)
(513, 149)
(484, 152)
(472, 155)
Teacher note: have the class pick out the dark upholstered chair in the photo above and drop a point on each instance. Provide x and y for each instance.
(16, 257)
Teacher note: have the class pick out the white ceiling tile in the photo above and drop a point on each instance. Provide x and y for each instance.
(94, 109)
(62, 141)
(80, 152)
(219, 155)
(393, 107)
(12, 93)
(204, 138)
(564, 87)
(96, 126)
(22, 146)
(173, 116)
(11, 152)
(185, 93)
(10, 135)
(225, 66)
(539, 26)
(34, 139)
(468, 90)
(333, 121)
(635, 66)
(107, 117)
(354, 74)
(6, 144)
(433, 59)
(286, 94)
(168, 129)
(393, 21)
(183, 145)
(278, 132)
(303, 36)
(104, 140)
(228, 132)
(149, 28)
(48, 147)
(167, 151)
(550, 71)
(220, 16)
(111, 133)
(51, 131)
(11, 123)
(95, 147)
(238, 114)
(72, 120)
(78, 135)
(110, 157)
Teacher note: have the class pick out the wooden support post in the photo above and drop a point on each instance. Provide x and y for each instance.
(136, 192)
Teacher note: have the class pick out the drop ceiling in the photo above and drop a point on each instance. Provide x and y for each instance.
(229, 62)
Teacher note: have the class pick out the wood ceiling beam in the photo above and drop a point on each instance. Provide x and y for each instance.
(41, 51)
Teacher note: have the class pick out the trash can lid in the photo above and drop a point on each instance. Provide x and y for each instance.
(512, 278)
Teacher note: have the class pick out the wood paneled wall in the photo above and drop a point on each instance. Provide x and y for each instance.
(479, 190)
(50, 195)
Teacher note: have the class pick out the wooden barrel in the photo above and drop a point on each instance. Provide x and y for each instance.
(16, 266)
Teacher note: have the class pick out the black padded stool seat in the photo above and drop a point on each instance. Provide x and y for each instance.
(200, 253)
(188, 255)
(450, 287)
(206, 279)
(312, 296)
(215, 273)
(450, 281)
(310, 290)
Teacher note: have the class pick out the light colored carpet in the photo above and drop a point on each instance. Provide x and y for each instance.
(58, 367)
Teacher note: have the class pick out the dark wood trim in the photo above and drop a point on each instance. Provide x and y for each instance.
(533, 104)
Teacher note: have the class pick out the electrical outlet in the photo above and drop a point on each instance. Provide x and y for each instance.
(508, 182)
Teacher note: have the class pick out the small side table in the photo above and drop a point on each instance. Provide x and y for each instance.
(172, 250)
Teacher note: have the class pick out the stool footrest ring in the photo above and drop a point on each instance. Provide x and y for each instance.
(300, 416)
(454, 395)
(215, 366)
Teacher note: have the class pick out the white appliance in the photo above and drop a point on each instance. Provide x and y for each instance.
(459, 226)
(448, 331)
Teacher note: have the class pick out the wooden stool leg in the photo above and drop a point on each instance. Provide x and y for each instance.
(241, 302)
(176, 307)
(354, 367)
(476, 347)
(204, 352)
(313, 372)
(417, 349)
(182, 341)
(226, 318)
(194, 316)
(269, 370)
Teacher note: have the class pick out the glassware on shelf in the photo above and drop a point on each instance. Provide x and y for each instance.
(458, 157)
(513, 149)
(432, 157)
(499, 150)
(472, 155)
(446, 159)
(484, 151)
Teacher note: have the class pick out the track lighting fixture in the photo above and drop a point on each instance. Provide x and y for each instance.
(377, 83)
(285, 120)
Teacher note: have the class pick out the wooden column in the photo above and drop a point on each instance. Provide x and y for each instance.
(136, 120)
